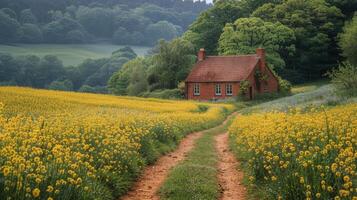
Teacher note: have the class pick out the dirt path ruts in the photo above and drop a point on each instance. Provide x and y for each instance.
(230, 179)
(153, 176)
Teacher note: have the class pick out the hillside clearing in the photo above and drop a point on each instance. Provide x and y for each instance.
(314, 96)
(70, 54)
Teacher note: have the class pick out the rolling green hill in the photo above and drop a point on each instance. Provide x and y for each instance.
(70, 54)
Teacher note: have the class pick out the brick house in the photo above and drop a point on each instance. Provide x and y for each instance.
(220, 77)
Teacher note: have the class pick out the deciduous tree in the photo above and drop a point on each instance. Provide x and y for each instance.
(348, 41)
(247, 34)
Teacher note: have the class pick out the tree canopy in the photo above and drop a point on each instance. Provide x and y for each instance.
(247, 34)
(81, 21)
(206, 30)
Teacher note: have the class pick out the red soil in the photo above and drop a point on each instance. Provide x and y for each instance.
(229, 176)
(153, 176)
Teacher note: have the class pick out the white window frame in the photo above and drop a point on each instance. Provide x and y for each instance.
(218, 90)
(196, 89)
(229, 89)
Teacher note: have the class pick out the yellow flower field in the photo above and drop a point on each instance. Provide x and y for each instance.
(301, 155)
(61, 145)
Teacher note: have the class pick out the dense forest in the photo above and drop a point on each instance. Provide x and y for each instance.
(304, 40)
(82, 21)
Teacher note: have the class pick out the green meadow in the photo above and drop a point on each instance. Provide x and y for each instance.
(70, 54)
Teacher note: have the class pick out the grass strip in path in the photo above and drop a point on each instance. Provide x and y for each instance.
(196, 176)
(153, 176)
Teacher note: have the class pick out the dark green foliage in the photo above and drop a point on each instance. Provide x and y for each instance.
(123, 36)
(8, 68)
(130, 79)
(348, 40)
(161, 30)
(172, 63)
(126, 52)
(96, 73)
(65, 85)
(284, 86)
(31, 33)
(79, 21)
(157, 75)
(12, 14)
(48, 69)
(164, 94)
(252, 5)
(48, 72)
(27, 17)
(75, 36)
(64, 30)
(31, 70)
(348, 7)
(95, 89)
(245, 35)
(206, 30)
(316, 25)
(10, 29)
(97, 21)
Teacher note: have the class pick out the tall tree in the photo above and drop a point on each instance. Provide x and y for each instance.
(348, 40)
(206, 30)
(247, 34)
(316, 25)
(348, 7)
(130, 79)
(172, 63)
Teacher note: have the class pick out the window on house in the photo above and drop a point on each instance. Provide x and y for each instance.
(229, 89)
(266, 88)
(218, 89)
(196, 89)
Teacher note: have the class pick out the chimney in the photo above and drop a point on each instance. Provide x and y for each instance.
(201, 54)
(261, 54)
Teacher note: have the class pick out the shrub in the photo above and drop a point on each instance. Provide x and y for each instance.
(344, 78)
(244, 86)
(284, 86)
(65, 85)
(96, 89)
(164, 94)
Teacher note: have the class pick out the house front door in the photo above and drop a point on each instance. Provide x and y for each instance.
(250, 93)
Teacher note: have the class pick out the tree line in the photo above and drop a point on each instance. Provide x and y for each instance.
(83, 21)
(304, 39)
(48, 72)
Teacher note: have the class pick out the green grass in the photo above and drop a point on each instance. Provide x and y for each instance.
(70, 54)
(314, 96)
(196, 177)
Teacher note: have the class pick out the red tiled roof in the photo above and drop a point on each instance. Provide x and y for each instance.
(223, 68)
